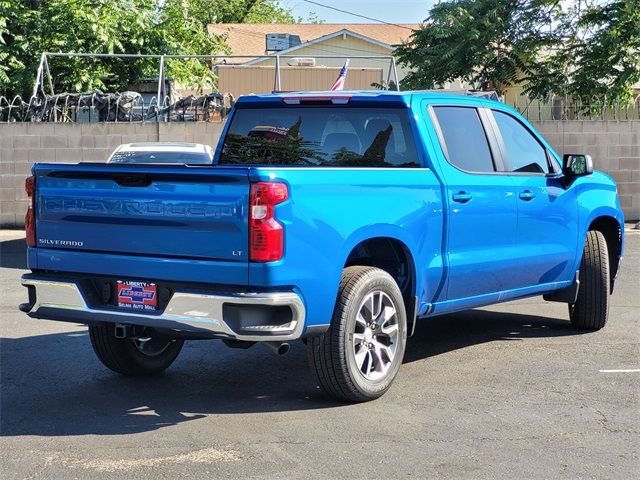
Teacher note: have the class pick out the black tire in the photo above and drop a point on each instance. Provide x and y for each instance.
(332, 355)
(591, 310)
(122, 355)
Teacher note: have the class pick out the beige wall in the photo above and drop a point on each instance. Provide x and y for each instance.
(244, 80)
(614, 146)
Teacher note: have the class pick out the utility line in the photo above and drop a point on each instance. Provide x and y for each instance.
(356, 14)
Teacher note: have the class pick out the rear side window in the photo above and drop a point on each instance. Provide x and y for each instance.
(524, 152)
(465, 143)
(320, 136)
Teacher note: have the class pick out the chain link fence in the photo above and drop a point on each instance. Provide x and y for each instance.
(131, 106)
(565, 109)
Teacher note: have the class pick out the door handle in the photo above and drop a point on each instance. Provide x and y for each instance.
(527, 195)
(461, 197)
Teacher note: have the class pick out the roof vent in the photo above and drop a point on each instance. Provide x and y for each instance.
(281, 41)
(301, 62)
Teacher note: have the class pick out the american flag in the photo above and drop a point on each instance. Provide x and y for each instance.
(342, 76)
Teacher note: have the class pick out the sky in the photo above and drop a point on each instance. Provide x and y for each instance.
(392, 11)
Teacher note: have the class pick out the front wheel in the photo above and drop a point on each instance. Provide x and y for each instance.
(129, 356)
(359, 356)
(591, 310)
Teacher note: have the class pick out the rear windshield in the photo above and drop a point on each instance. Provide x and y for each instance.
(161, 157)
(320, 136)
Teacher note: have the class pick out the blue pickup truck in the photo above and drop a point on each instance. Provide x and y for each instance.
(340, 219)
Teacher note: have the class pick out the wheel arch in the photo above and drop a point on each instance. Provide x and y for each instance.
(394, 257)
(613, 233)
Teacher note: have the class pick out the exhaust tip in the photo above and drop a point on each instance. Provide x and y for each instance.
(279, 348)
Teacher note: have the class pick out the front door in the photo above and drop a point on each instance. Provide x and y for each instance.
(547, 233)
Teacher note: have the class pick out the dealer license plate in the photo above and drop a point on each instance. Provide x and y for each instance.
(137, 295)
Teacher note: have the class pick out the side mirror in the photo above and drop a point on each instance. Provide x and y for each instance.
(576, 164)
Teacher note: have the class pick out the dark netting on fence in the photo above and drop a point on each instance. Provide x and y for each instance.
(115, 107)
(135, 107)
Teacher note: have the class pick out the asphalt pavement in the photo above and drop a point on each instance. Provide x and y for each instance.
(509, 391)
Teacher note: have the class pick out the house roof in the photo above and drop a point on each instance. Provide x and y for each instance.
(249, 39)
(293, 50)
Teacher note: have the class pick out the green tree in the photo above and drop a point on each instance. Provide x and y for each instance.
(16, 44)
(607, 57)
(596, 59)
(98, 26)
(204, 12)
(582, 48)
(91, 26)
(483, 42)
(30, 27)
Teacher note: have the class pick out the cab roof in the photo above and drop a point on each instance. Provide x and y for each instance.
(355, 97)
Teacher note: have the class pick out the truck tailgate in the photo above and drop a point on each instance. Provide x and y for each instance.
(176, 212)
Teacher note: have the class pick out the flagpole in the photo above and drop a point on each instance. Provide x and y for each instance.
(342, 77)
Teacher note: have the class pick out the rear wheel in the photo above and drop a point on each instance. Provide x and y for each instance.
(359, 356)
(139, 356)
(591, 310)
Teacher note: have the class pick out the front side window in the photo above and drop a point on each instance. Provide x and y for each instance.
(465, 142)
(524, 152)
(320, 136)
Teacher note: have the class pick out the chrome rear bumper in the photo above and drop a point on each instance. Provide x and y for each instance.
(192, 313)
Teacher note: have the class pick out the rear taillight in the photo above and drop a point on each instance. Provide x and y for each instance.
(30, 217)
(266, 237)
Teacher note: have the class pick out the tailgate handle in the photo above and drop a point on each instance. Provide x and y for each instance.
(132, 180)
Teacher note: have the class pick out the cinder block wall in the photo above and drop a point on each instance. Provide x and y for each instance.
(22, 144)
(614, 146)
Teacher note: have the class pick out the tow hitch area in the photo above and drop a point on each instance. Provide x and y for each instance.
(128, 331)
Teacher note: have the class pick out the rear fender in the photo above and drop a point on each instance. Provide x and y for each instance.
(391, 232)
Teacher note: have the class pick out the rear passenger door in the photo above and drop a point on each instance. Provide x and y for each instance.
(547, 233)
(482, 210)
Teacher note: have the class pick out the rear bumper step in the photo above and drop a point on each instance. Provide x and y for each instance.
(267, 316)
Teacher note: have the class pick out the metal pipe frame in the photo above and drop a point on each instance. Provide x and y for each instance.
(44, 65)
